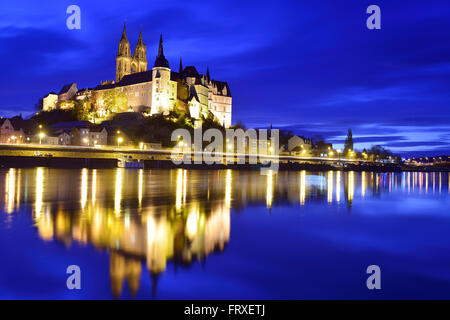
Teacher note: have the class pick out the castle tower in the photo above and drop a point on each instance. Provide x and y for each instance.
(140, 55)
(123, 58)
(161, 86)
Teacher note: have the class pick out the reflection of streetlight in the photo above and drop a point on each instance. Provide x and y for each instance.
(41, 135)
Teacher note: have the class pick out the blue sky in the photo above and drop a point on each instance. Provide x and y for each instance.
(309, 66)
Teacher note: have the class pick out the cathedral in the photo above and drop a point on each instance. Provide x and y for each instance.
(161, 90)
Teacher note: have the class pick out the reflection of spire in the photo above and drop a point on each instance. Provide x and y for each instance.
(116, 273)
(154, 277)
(133, 270)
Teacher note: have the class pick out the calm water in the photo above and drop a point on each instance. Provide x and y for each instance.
(177, 234)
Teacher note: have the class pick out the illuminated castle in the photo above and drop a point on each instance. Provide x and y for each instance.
(161, 90)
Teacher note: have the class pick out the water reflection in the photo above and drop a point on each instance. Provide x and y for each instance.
(148, 218)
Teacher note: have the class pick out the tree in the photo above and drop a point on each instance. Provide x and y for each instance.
(348, 142)
(39, 104)
(116, 100)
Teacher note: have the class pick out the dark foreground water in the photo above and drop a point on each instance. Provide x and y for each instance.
(177, 234)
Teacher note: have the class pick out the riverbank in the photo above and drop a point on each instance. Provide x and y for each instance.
(101, 163)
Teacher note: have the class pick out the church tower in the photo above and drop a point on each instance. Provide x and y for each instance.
(123, 58)
(140, 56)
(161, 90)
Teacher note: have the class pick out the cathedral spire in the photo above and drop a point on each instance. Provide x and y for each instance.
(124, 33)
(180, 70)
(140, 41)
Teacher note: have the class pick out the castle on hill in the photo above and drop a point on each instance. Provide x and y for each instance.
(156, 91)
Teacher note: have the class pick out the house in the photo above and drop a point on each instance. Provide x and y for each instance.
(9, 133)
(16, 130)
(98, 136)
(59, 137)
(299, 146)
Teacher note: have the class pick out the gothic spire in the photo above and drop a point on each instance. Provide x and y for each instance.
(180, 70)
(207, 74)
(124, 33)
(140, 41)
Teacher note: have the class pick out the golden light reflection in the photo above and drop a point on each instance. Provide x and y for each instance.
(10, 192)
(39, 191)
(141, 183)
(338, 186)
(302, 187)
(118, 191)
(94, 185)
(269, 188)
(84, 187)
(330, 187)
(179, 190)
(351, 185)
(363, 184)
(228, 185)
(192, 222)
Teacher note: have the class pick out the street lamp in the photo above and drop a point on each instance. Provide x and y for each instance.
(119, 141)
(41, 136)
(339, 153)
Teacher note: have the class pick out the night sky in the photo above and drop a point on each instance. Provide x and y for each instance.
(309, 66)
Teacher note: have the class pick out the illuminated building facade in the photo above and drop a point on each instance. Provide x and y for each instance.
(161, 90)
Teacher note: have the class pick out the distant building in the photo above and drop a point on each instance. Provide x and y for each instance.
(83, 133)
(49, 102)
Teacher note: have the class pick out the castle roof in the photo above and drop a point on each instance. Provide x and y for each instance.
(66, 88)
(221, 85)
(134, 78)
